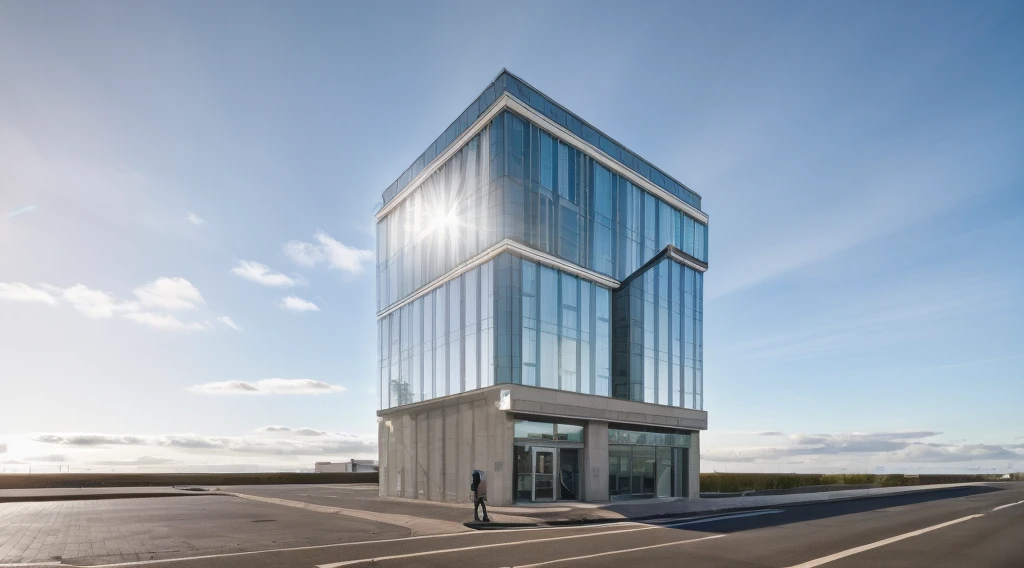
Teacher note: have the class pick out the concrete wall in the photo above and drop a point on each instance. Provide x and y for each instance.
(595, 462)
(694, 465)
(430, 448)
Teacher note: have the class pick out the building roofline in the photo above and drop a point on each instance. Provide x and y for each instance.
(596, 129)
(385, 199)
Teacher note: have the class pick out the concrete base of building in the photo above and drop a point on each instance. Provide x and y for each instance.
(429, 450)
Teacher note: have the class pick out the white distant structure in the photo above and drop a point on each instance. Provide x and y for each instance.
(349, 466)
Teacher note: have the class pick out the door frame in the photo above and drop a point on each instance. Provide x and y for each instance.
(534, 450)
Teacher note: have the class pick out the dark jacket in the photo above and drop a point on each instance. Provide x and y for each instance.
(478, 486)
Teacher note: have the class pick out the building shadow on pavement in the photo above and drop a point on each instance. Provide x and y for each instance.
(746, 519)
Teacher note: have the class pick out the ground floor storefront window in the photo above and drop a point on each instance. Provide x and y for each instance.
(647, 464)
(547, 461)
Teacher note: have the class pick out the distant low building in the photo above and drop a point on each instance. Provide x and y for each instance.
(349, 466)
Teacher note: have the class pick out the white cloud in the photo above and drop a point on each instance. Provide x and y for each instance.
(163, 293)
(876, 447)
(297, 304)
(271, 441)
(169, 294)
(166, 321)
(194, 219)
(306, 254)
(268, 386)
(19, 292)
(230, 323)
(337, 255)
(291, 431)
(89, 439)
(94, 304)
(262, 274)
(141, 460)
(47, 458)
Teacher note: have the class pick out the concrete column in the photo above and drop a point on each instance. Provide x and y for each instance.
(694, 466)
(595, 461)
(382, 459)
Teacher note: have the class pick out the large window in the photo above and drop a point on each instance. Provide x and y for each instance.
(565, 331)
(658, 327)
(647, 464)
(441, 343)
(515, 181)
(531, 430)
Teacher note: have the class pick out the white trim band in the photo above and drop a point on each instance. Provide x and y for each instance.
(505, 245)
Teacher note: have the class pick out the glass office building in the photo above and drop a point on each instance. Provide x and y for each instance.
(524, 253)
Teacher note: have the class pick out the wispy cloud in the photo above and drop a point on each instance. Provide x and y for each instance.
(141, 460)
(194, 219)
(166, 321)
(262, 274)
(93, 304)
(21, 211)
(297, 304)
(282, 442)
(89, 439)
(47, 458)
(230, 323)
(291, 431)
(879, 447)
(164, 294)
(169, 294)
(268, 386)
(19, 292)
(771, 433)
(337, 255)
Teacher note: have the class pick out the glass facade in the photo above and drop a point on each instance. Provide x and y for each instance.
(515, 320)
(646, 464)
(440, 343)
(513, 180)
(506, 82)
(658, 331)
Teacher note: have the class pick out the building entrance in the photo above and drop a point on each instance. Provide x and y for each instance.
(547, 461)
(547, 474)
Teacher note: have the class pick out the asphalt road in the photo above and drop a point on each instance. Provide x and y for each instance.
(972, 526)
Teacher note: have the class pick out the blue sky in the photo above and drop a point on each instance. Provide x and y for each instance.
(164, 166)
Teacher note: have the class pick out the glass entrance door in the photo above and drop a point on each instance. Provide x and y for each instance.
(568, 474)
(543, 474)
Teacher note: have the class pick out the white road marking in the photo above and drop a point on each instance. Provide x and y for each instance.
(545, 563)
(478, 547)
(1005, 506)
(859, 549)
(319, 546)
(722, 518)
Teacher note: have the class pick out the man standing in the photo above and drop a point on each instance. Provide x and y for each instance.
(479, 489)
